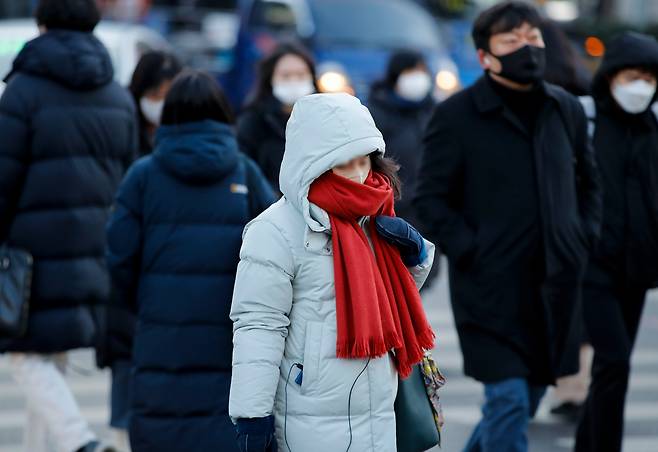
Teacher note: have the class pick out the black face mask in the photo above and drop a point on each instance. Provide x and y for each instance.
(525, 65)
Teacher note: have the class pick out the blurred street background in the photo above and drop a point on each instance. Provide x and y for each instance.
(351, 40)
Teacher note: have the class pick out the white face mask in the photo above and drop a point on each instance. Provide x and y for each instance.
(290, 92)
(152, 110)
(634, 97)
(414, 86)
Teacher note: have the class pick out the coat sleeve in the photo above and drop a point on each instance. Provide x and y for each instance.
(14, 153)
(262, 300)
(422, 271)
(439, 191)
(590, 189)
(124, 236)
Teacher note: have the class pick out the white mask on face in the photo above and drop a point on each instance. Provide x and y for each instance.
(152, 110)
(634, 97)
(289, 92)
(414, 86)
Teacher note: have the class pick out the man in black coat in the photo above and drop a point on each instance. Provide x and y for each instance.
(625, 262)
(67, 132)
(509, 189)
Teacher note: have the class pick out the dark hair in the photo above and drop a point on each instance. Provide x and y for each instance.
(501, 18)
(152, 70)
(389, 168)
(564, 66)
(196, 96)
(77, 15)
(263, 86)
(401, 61)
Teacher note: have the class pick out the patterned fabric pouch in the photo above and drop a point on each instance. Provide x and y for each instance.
(434, 381)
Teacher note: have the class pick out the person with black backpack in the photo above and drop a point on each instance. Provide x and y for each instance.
(624, 266)
(173, 250)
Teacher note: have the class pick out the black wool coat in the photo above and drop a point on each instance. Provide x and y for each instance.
(516, 214)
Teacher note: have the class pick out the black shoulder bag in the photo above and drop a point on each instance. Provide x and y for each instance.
(15, 286)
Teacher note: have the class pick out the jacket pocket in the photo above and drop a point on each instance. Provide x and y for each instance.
(312, 353)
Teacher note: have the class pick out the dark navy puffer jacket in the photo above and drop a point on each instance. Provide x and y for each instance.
(174, 241)
(67, 133)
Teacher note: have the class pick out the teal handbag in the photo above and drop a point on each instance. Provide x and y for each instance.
(418, 416)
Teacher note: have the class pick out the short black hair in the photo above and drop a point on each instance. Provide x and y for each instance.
(196, 96)
(501, 18)
(76, 15)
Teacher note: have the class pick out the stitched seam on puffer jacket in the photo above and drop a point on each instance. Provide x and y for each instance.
(251, 260)
(283, 234)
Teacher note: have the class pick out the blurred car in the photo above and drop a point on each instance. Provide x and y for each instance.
(351, 40)
(126, 43)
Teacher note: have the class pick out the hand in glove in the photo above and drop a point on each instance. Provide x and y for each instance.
(405, 237)
(256, 434)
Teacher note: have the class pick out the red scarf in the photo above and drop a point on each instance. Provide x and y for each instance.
(378, 307)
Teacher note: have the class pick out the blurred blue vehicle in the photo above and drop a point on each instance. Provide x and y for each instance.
(351, 41)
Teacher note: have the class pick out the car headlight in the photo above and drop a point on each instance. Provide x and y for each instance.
(447, 80)
(333, 82)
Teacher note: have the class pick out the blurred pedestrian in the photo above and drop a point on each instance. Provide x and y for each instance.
(401, 105)
(311, 372)
(67, 133)
(625, 263)
(149, 86)
(284, 76)
(173, 244)
(510, 189)
(565, 68)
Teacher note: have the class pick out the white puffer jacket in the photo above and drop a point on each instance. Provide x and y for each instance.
(284, 307)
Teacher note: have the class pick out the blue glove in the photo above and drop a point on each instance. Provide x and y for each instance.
(256, 434)
(405, 237)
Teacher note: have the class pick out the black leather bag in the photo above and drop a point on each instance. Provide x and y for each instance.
(15, 286)
(415, 425)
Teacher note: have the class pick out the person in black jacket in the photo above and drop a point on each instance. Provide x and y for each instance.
(510, 190)
(625, 263)
(173, 250)
(284, 76)
(149, 86)
(401, 105)
(67, 133)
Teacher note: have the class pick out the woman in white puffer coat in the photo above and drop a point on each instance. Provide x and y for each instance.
(325, 312)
